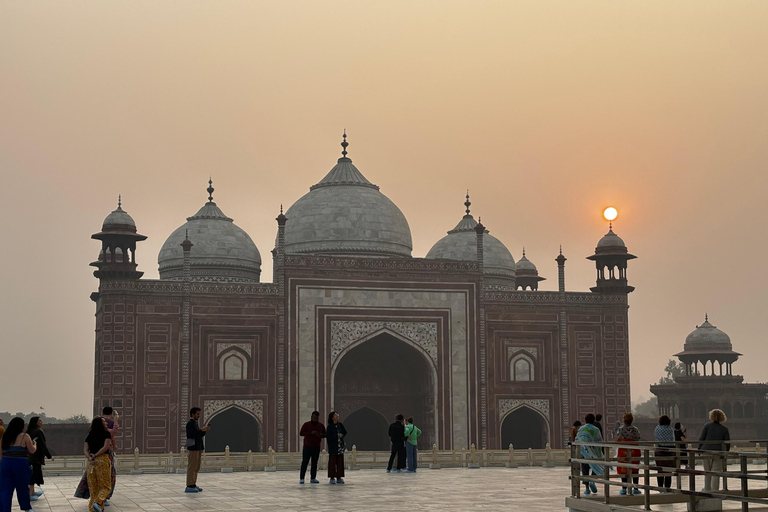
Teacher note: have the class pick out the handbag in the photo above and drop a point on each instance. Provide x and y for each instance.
(190, 442)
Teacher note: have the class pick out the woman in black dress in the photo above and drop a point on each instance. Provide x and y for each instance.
(37, 459)
(334, 436)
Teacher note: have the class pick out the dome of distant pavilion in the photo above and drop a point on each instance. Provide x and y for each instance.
(118, 220)
(345, 214)
(461, 244)
(611, 239)
(221, 251)
(707, 337)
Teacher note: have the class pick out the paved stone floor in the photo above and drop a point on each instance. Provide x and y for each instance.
(529, 489)
(525, 489)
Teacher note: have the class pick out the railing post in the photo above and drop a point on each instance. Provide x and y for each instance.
(136, 470)
(171, 465)
(227, 466)
(575, 471)
(511, 463)
(434, 464)
(270, 460)
(607, 474)
(692, 480)
(530, 456)
(248, 460)
(353, 458)
(744, 481)
(548, 463)
(472, 464)
(647, 477)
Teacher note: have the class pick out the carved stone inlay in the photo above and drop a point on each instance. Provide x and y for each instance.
(256, 406)
(346, 332)
(221, 347)
(531, 350)
(510, 404)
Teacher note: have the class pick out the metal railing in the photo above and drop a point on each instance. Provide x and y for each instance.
(644, 464)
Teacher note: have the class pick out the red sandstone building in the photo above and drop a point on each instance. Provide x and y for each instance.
(461, 339)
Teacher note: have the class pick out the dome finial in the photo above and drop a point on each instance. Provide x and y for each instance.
(467, 203)
(119, 201)
(344, 144)
(210, 189)
(561, 249)
(523, 251)
(281, 209)
(706, 317)
(610, 225)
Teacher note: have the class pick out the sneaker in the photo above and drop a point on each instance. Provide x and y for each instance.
(332, 481)
(623, 492)
(106, 503)
(34, 497)
(199, 489)
(339, 480)
(314, 481)
(637, 491)
(593, 487)
(96, 507)
(389, 471)
(40, 492)
(191, 489)
(398, 471)
(587, 492)
(301, 480)
(408, 471)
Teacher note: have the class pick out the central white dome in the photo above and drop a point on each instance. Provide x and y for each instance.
(345, 214)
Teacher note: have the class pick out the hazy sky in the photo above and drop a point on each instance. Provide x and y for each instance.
(546, 111)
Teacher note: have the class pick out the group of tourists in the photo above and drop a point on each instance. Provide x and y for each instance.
(313, 432)
(668, 449)
(403, 435)
(24, 451)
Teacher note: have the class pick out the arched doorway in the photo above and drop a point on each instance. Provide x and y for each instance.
(367, 430)
(236, 428)
(389, 376)
(524, 428)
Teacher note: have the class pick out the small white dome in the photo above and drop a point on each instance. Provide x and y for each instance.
(221, 251)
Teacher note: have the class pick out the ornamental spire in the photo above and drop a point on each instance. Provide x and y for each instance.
(344, 144)
(210, 189)
(467, 203)
(119, 201)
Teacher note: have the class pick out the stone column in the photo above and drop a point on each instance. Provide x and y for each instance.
(483, 439)
(279, 276)
(186, 246)
(564, 394)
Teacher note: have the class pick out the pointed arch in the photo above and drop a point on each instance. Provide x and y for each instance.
(524, 427)
(521, 368)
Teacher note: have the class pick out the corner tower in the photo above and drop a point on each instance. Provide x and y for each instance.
(117, 259)
(611, 258)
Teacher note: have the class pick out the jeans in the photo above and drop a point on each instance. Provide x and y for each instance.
(410, 455)
(14, 475)
(309, 453)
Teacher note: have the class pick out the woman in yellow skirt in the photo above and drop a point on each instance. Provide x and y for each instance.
(99, 467)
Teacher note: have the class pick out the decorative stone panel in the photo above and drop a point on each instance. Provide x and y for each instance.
(221, 347)
(509, 404)
(346, 332)
(255, 406)
(531, 350)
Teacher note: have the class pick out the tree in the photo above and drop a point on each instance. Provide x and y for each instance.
(647, 409)
(673, 369)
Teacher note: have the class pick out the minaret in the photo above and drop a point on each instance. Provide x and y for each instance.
(118, 236)
(611, 258)
(561, 270)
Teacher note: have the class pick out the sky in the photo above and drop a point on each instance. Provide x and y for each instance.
(546, 111)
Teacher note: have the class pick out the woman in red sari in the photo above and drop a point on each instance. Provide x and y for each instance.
(628, 433)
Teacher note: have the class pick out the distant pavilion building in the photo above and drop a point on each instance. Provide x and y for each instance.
(709, 383)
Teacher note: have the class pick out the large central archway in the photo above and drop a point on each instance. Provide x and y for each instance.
(382, 377)
(236, 428)
(524, 428)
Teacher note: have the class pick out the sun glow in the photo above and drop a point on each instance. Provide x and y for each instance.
(610, 213)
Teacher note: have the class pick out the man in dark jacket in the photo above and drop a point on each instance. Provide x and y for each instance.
(313, 433)
(195, 447)
(397, 436)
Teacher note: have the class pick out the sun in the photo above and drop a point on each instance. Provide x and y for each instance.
(610, 213)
